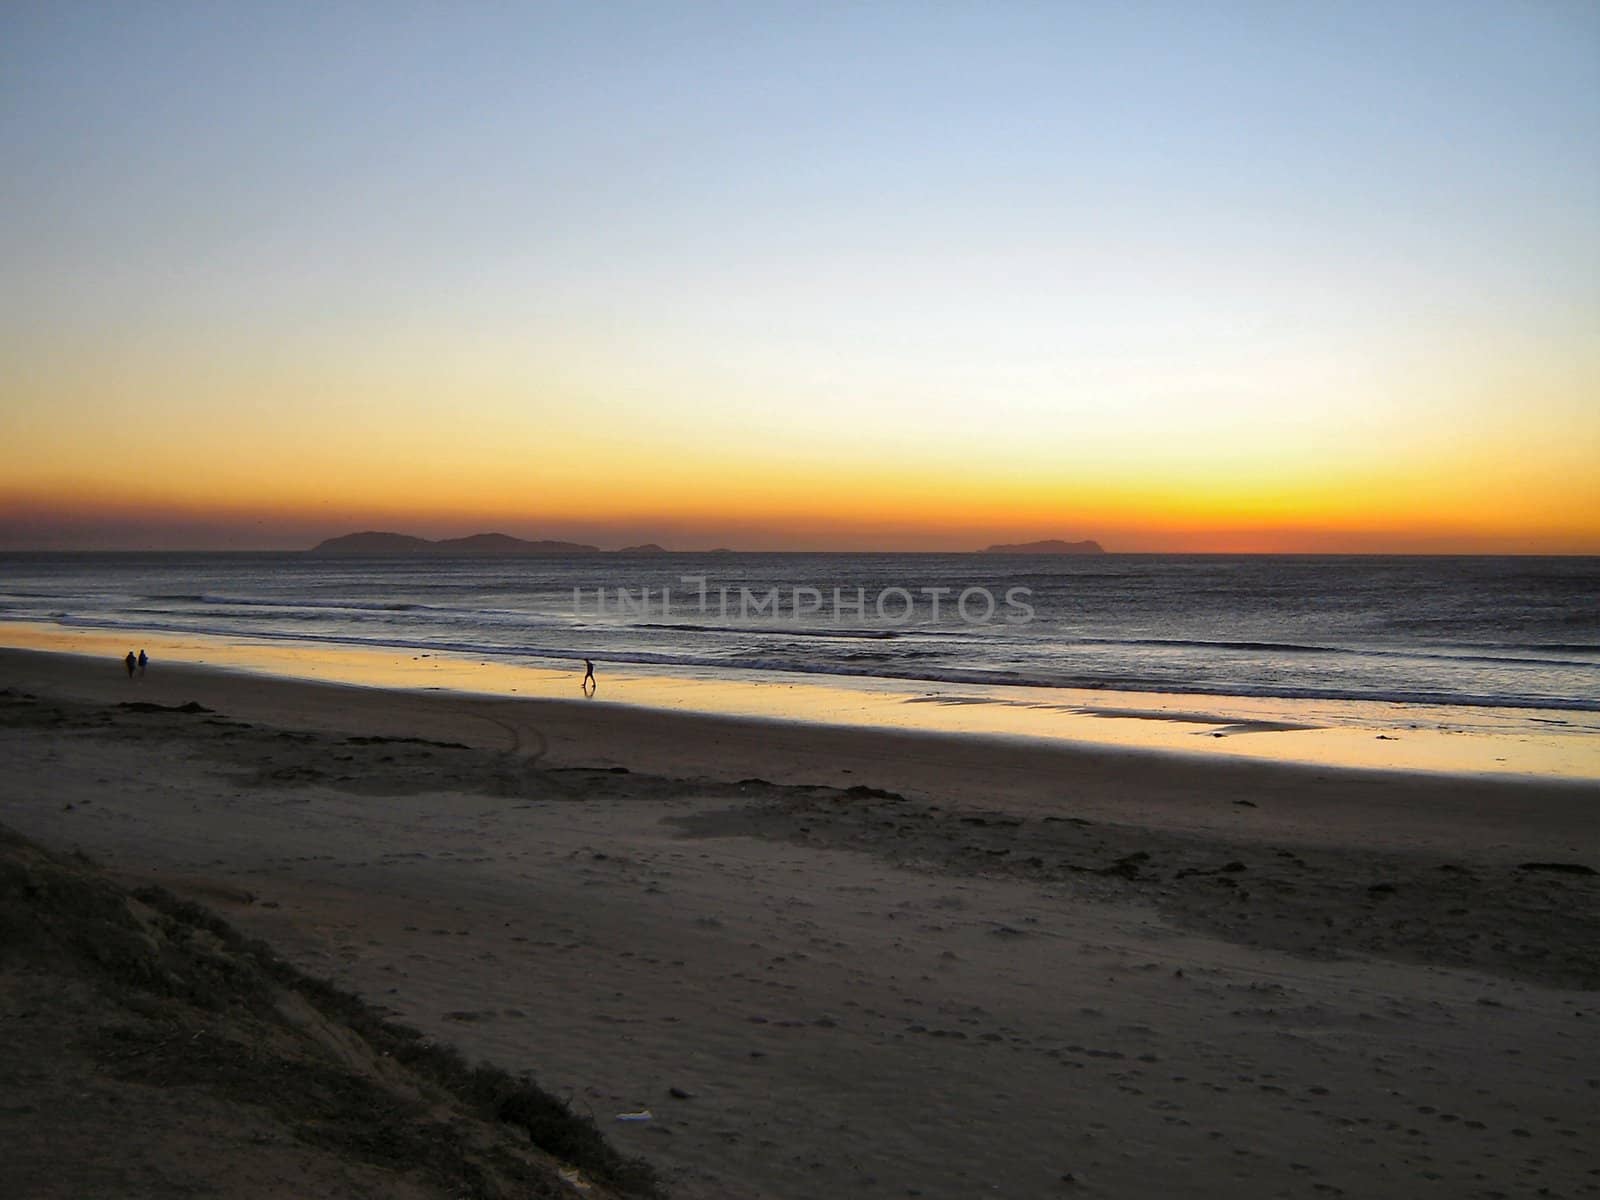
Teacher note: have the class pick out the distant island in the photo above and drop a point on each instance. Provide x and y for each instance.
(1048, 546)
(378, 544)
(374, 545)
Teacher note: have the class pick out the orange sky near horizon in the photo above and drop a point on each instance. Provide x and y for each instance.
(1413, 454)
(236, 456)
(694, 507)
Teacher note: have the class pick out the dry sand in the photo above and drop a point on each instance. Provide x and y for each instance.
(993, 969)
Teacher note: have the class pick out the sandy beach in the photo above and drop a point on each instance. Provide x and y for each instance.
(856, 962)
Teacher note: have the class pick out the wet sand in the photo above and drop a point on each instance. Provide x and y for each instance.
(1360, 734)
(836, 961)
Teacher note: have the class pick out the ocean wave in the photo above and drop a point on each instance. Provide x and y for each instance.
(1466, 653)
(784, 630)
(1550, 647)
(1289, 647)
(267, 608)
(344, 605)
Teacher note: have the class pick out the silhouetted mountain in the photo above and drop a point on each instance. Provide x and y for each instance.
(372, 542)
(646, 548)
(373, 545)
(502, 543)
(1048, 546)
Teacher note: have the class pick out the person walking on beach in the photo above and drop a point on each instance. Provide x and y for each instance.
(143, 663)
(130, 662)
(588, 684)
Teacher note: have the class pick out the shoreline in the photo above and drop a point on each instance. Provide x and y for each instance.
(1413, 738)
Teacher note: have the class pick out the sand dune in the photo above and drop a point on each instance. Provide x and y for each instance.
(153, 1051)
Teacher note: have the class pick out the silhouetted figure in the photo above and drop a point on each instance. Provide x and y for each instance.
(131, 663)
(588, 684)
(143, 663)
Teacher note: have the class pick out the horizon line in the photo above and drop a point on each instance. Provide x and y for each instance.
(724, 550)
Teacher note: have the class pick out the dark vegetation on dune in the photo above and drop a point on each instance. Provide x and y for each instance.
(186, 1002)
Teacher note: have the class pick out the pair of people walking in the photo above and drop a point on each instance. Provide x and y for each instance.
(138, 663)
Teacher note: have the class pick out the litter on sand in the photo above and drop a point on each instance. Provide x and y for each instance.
(573, 1178)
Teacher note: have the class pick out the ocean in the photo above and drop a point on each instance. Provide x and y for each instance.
(1501, 632)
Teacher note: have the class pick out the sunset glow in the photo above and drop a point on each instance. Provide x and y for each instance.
(1306, 279)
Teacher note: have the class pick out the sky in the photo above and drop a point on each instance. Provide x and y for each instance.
(1233, 277)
